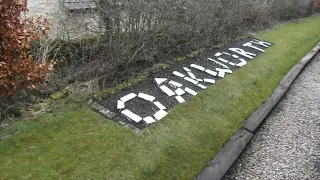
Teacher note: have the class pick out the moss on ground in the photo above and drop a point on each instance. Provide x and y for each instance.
(59, 95)
(76, 143)
(192, 54)
(133, 81)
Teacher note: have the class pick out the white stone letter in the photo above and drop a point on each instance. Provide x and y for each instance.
(249, 44)
(261, 43)
(243, 53)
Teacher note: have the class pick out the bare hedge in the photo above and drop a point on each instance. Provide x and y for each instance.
(134, 35)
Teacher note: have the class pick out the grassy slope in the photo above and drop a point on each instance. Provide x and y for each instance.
(73, 142)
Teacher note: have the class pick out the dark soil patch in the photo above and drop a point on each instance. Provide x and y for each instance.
(144, 108)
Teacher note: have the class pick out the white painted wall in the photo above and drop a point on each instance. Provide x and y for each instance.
(70, 25)
(64, 24)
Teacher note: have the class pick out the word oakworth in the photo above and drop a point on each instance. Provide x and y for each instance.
(175, 89)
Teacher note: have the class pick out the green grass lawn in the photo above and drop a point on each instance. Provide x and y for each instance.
(74, 142)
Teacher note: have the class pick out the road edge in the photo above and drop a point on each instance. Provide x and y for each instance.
(230, 152)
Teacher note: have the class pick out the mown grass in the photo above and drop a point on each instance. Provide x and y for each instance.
(73, 142)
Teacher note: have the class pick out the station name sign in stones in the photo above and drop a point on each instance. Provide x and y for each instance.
(175, 90)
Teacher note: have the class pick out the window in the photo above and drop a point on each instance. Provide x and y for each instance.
(75, 5)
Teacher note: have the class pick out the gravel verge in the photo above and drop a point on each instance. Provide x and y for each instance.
(287, 146)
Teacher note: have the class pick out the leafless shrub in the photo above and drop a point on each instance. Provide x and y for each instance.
(82, 91)
(124, 37)
(115, 39)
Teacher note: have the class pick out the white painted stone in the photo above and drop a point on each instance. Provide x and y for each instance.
(235, 56)
(149, 120)
(222, 72)
(191, 75)
(220, 64)
(131, 115)
(180, 99)
(120, 104)
(211, 81)
(202, 86)
(198, 67)
(226, 53)
(243, 52)
(199, 80)
(261, 43)
(180, 92)
(225, 70)
(159, 105)
(190, 91)
(223, 60)
(232, 64)
(249, 44)
(160, 114)
(191, 80)
(128, 97)
(218, 54)
(186, 69)
(166, 90)
(212, 73)
(242, 62)
(146, 97)
(176, 73)
(175, 84)
(160, 80)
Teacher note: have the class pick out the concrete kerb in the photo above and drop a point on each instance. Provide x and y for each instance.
(221, 163)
